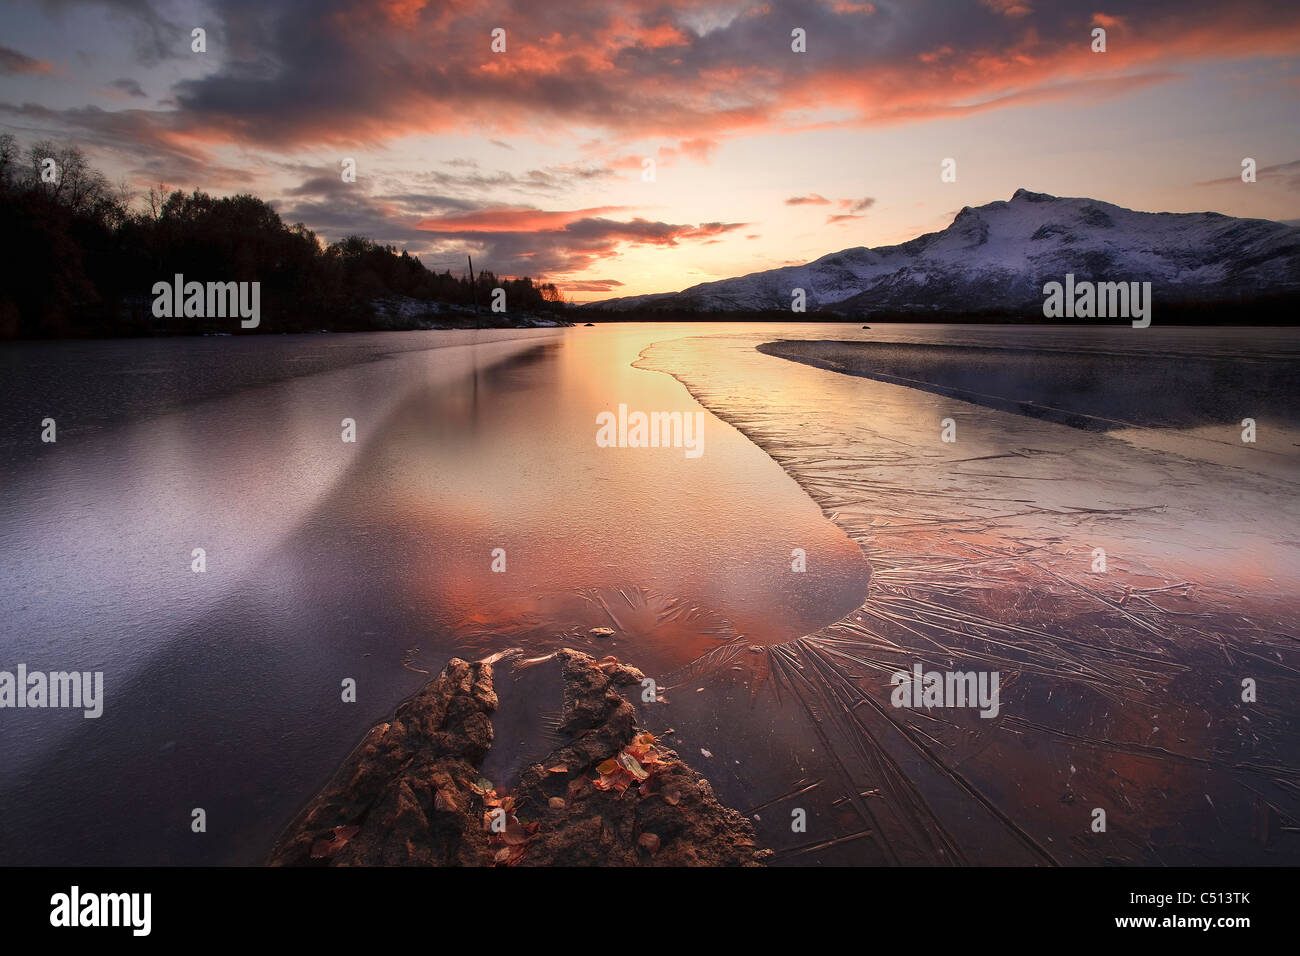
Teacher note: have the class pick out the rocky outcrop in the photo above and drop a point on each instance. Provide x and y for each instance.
(411, 793)
(406, 795)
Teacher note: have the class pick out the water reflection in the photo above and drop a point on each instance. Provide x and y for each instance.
(370, 561)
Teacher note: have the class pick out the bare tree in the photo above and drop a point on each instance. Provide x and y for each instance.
(75, 184)
(9, 159)
(158, 194)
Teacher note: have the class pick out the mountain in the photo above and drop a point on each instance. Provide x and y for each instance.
(997, 257)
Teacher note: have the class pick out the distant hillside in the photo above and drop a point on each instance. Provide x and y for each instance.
(995, 259)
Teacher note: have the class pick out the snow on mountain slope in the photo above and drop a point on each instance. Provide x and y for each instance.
(998, 256)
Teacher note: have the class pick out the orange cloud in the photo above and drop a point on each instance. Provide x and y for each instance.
(511, 219)
(381, 69)
(13, 62)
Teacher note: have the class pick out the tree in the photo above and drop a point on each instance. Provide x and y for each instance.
(10, 157)
(85, 263)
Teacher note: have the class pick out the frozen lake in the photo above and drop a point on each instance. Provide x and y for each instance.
(373, 561)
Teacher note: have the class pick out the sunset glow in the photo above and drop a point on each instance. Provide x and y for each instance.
(533, 159)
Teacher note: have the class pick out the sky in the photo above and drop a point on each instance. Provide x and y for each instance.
(535, 159)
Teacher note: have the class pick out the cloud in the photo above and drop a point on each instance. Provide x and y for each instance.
(12, 62)
(509, 240)
(700, 149)
(551, 179)
(154, 36)
(335, 209)
(148, 151)
(334, 72)
(1009, 8)
(816, 199)
(512, 219)
(592, 285)
(544, 243)
(128, 86)
(697, 150)
(540, 242)
(1290, 172)
(611, 81)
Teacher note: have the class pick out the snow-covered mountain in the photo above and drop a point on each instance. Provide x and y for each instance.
(997, 257)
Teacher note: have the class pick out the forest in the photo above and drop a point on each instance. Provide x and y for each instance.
(84, 253)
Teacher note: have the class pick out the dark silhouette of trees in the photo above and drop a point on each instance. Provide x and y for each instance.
(60, 238)
(84, 263)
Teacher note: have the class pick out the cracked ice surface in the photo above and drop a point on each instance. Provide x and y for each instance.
(1120, 690)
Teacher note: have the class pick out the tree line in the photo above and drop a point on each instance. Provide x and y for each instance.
(84, 255)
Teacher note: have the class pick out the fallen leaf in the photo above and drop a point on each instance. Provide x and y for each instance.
(631, 765)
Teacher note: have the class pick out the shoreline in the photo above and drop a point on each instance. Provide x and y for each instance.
(994, 573)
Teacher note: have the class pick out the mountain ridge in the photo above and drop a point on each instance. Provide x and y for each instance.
(997, 257)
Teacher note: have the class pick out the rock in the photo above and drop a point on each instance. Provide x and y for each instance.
(605, 827)
(601, 632)
(620, 674)
(409, 786)
(410, 794)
